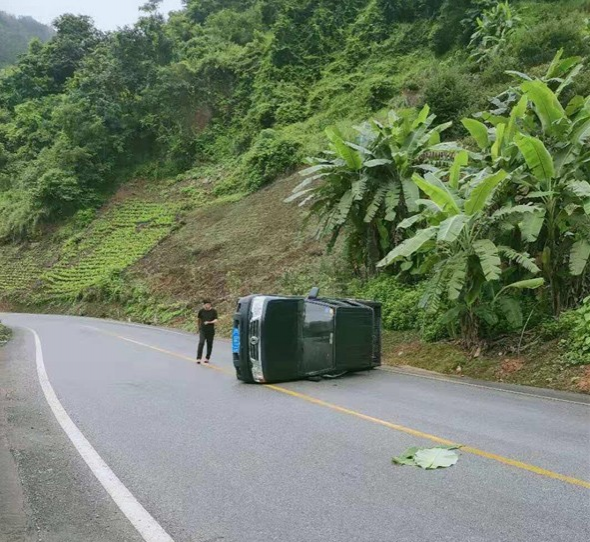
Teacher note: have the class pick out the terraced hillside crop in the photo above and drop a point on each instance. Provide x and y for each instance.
(111, 244)
(19, 269)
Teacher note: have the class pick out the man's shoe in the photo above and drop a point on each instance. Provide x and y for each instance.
(205, 361)
(199, 361)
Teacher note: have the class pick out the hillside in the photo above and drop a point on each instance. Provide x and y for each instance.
(138, 171)
(153, 253)
(15, 35)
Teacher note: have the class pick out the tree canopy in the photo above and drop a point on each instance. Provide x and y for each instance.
(249, 85)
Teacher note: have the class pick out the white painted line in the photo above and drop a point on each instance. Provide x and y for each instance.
(147, 526)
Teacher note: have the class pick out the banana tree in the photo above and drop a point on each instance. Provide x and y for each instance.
(545, 147)
(494, 27)
(557, 176)
(364, 185)
(462, 228)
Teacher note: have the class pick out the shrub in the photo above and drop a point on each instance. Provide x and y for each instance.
(494, 74)
(578, 339)
(5, 334)
(71, 231)
(408, 10)
(441, 39)
(457, 22)
(236, 26)
(537, 45)
(270, 156)
(401, 311)
(433, 327)
(558, 328)
(449, 94)
(400, 301)
(410, 38)
(580, 87)
(278, 104)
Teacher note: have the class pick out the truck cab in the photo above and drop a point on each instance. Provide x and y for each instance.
(280, 338)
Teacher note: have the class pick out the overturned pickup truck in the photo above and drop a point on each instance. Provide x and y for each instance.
(277, 338)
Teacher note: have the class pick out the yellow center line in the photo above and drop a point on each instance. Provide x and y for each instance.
(401, 428)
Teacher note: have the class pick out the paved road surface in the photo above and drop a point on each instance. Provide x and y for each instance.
(212, 459)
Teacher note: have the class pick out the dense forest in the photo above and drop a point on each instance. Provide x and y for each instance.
(450, 141)
(15, 35)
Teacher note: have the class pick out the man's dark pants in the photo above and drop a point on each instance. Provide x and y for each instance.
(205, 336)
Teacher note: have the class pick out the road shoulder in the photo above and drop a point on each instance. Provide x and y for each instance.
(12, 513)
(51, 494)
(519, 389)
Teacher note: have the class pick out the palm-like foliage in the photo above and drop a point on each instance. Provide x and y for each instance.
(466, 265)
(546, 147)
(493, 30)
(510, 214)
(365, 185)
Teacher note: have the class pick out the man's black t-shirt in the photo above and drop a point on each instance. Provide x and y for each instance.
(207, 316)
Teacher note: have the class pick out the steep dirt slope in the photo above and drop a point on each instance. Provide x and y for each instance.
(228, 249)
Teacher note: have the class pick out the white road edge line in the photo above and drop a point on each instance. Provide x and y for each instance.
(146, 525)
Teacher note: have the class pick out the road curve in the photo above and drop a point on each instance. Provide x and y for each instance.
(212, 459)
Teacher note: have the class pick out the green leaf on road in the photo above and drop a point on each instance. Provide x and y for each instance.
(429, 458)
(407, 458)
(435, 458)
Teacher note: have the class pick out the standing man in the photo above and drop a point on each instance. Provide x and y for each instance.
(206, 318)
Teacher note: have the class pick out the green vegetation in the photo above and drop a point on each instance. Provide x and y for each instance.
(577, 341)
(19, 269)
(481, 211)
(250, 85)
(112, 243)
(5, 334)
(15, 35)
(370, 188)
(494, 28)
(91, 258)
(453, 186)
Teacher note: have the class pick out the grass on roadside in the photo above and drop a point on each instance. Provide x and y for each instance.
(5, 334)
(538, 366)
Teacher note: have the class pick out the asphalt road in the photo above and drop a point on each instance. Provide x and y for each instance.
(212, 459)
